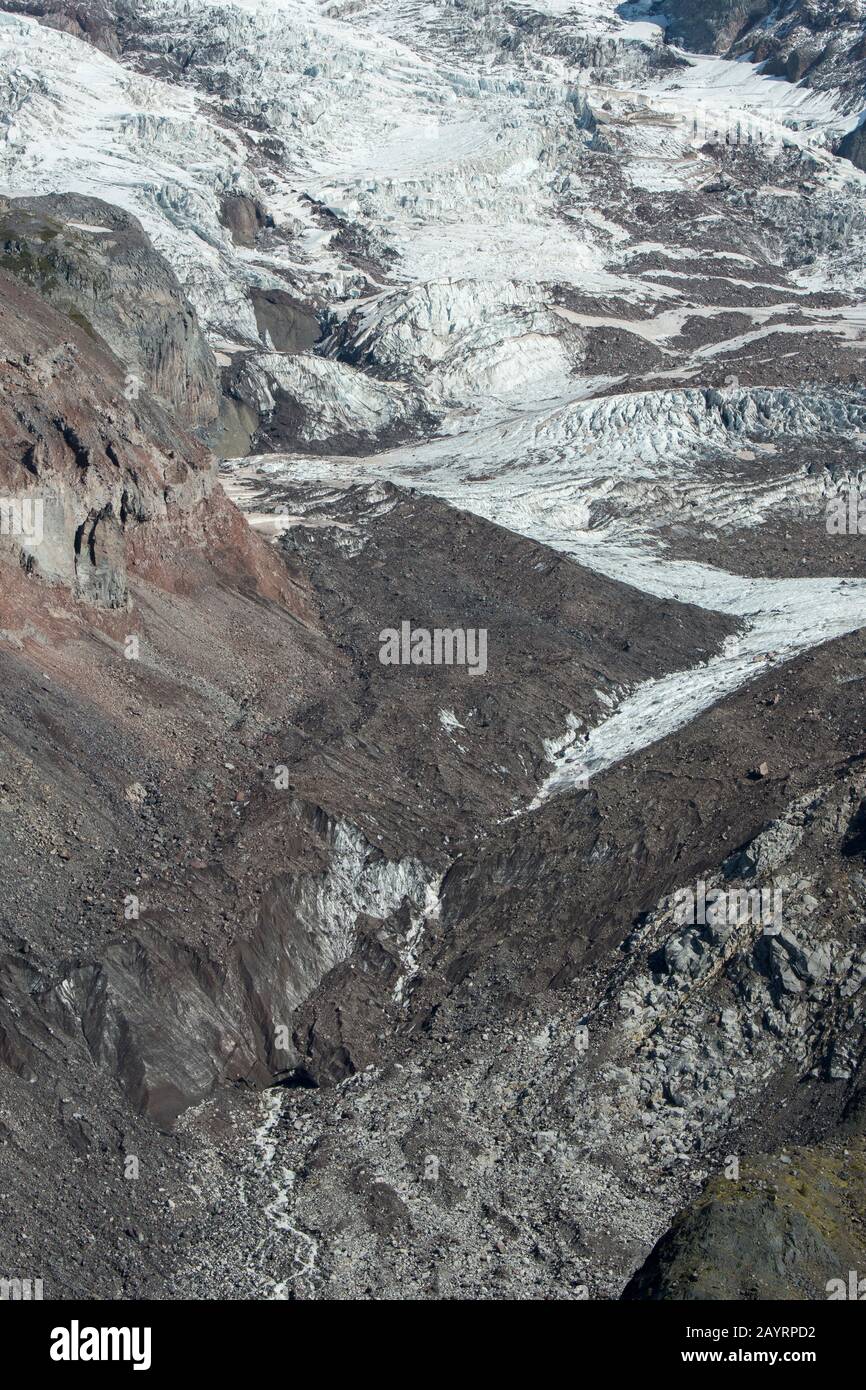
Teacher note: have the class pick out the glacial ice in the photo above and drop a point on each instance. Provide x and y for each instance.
(463, 163)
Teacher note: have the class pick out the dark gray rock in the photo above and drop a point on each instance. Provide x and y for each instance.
(95, 263)
(245, 217)
(789, 1227)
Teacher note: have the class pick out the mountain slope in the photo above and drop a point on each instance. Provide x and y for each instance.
(542, 321)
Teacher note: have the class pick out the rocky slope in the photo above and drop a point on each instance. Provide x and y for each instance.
(198, 699)
(326, 978)
(95, 264)
(820, 42)
(790, 1226)
(569, 1064)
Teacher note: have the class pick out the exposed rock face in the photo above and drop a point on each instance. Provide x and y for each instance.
(95, 21)
(284, 323)
(245, 217)
(96, 465)
(788, 1226)
(712, 25)
(853, 147)
(95, 263)
(819, 42)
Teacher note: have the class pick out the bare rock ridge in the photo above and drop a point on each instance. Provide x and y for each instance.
(94, 21)
(95, 264)
(790, 1222)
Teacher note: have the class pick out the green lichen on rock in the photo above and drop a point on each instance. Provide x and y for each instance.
(786, 1227)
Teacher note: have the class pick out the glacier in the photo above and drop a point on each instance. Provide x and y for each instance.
(431, 176)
